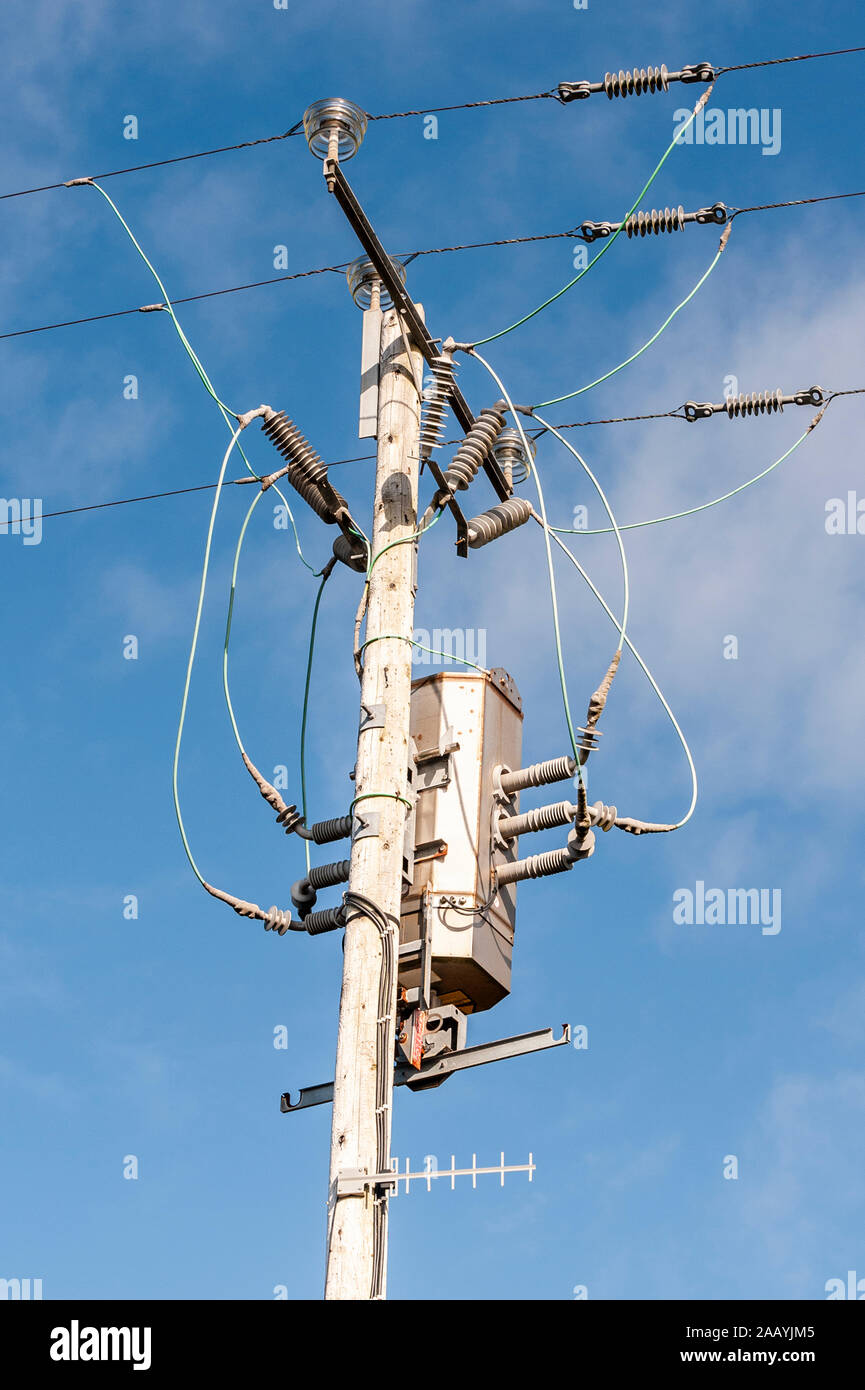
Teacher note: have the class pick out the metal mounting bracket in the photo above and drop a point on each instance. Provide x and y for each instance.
(402, 300)
(434, 772)
(453, 507)
(435, 1071)
(351, 1182)
(448, 744)
(372, 717)
(365, 825)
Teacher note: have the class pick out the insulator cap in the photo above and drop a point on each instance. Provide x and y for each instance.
(327, 875)
(278, 920)
(350, 552)
(655, 222)
(362, 276)
(541, 818)
(475, 448)
(624, 84)
(324, 832)
(438, 390)
(330, 919)
(555, 861)
(507, 516)
(306, 471)
(340, 117)
(509, 453)
(538, 775)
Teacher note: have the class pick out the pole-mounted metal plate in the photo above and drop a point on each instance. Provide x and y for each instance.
(371, 717)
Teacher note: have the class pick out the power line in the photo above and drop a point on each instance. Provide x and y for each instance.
(800, 58)
(796, 203)
(394, 116)
(365, 458)
(619, 420)
(270, 139)
(461, 106)
(280, 279)
(677, 414)
(413, 255)
(190, 299)
(158, 163)
(175, 492)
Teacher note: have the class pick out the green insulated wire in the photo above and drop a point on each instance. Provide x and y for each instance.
(445, 656)
(226, 410)
(225, 686)
(608, 243)
(310, 652)
(648, 675)
(405, 540)
(634, 355)
(690, 511)
(232, 591)
(196, 362)
(614, 527)
(192, 650)
(551, 575)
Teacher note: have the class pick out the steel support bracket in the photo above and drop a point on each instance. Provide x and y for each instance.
(351, 1182)
(434, 1072)
(453, 507)
(363, 230)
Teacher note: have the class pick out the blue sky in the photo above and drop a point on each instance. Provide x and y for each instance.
(155, 1037)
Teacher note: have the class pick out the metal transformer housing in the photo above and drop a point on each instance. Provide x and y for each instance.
(464, 727)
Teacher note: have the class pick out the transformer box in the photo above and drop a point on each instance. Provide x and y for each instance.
(464, 727)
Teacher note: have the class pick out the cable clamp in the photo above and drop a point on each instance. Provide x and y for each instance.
(573, 91)
(75, 183)
(247, 419)
(698, 72)
(698, 410)
(716, 213)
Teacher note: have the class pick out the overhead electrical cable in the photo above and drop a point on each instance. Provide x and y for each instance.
(550, 571)
(365, 458)
(654, 338)
(340, 268)
(227, 413)
(704, 506)
(492, 337)
(400, 115)
(633, 650)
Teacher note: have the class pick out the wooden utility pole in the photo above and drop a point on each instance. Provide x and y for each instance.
(363, 1095)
